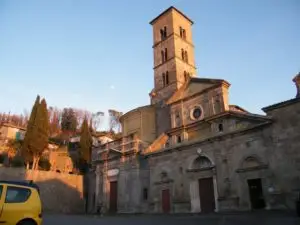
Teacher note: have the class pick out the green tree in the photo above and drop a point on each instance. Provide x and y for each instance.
(85, 143)
(37, 134)
(69, 120)
(26, 148)
(42, 125)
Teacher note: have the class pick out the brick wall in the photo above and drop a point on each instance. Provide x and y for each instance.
(60, 193)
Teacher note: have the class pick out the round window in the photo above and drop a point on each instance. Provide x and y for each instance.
(196, 113)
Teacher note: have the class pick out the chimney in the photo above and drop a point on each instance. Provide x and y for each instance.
(297, 82)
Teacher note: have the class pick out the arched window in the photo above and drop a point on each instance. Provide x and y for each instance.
(162, 56)
(250, 162)
(201, 162)
(186, 56)
(183, 34)
(166, 54)
(167, 78)
(180, 31)
(164, 79)
(182, 54)
(177, 119)
(178, 138)
(161, 34)
(165, 32)
(220, 127)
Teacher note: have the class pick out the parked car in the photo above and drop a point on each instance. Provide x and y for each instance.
(20, 203)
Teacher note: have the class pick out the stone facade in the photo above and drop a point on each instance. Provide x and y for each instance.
(233, 158)
(208, 155)
(61, 161)
(173, 53)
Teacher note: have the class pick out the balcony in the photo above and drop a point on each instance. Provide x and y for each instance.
(124, 145)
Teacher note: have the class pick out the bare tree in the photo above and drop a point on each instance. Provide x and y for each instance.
(81, 114)
(114, 120)
(97, 119)
(54, 115)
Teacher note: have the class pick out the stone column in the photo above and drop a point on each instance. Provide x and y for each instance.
(97, 200)
(216, 194)
(195, 197)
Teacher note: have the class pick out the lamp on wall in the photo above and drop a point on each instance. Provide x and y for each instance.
(199, 151)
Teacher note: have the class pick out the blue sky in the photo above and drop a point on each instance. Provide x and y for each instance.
(96, 55)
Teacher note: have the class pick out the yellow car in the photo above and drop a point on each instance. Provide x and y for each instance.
(20, 203)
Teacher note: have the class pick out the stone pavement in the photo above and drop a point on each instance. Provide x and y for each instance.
(262, 218)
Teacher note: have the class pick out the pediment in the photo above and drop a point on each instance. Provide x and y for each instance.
(251, 163)
(193, 87)
(158, 144)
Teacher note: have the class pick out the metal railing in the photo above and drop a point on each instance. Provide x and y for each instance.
(123, 145)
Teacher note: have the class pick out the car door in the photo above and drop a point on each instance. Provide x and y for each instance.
(15, 208)
(2, 197)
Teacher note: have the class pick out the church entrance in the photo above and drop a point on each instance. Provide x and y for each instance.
(256, 194)
(166, 201)
(206, 192)
(113, 198)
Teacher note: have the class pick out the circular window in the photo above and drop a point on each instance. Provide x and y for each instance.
(196, 113)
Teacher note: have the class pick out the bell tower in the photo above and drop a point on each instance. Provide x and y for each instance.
(173, 53)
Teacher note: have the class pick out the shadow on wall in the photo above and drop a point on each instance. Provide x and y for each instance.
(84, 169)
(59, 197)
(79, 167)
(60, 193)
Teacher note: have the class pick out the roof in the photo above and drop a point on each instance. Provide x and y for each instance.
(196, 86)
(166, 11)
(281, 104)
(135, 110)
(13, 126)
(238, 108)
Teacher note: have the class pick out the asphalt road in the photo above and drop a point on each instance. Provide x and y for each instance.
(238, 219)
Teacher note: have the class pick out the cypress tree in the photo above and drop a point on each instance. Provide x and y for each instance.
(37, 134)
(85, 142)
(26, 147)
(42, 132)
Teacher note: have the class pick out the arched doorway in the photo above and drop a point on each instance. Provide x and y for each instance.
(203, 185)
(253, 178)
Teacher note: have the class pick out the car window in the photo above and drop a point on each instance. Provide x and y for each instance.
(17, 194)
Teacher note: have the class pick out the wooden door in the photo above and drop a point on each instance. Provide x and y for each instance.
(113, 200)
(256, 194)
(166, 201)
(207, 197)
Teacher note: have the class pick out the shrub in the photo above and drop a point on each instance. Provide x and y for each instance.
(44, 164)
(2, 158)
(17, 161)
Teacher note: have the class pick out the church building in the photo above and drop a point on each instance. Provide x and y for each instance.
(192, 151)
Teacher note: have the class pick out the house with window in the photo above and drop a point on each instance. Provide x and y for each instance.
(191, 150)
(10, 131)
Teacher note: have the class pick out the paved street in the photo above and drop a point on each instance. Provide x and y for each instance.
(238, 219)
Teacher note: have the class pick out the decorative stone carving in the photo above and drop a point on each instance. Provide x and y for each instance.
(297, 83)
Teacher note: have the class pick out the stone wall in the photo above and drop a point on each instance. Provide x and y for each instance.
(132, 177)
(269, 152)
(60, 193)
